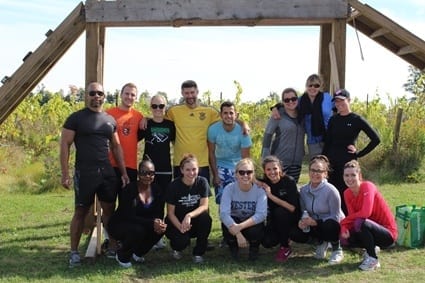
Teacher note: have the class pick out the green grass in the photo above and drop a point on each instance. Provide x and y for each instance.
(34, 244)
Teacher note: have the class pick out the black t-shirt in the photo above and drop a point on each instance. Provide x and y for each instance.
(286, 189)
(93, 134)
(186, 198)
(158, 137)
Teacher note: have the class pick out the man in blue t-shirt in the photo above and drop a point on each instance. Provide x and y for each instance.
(226, 146)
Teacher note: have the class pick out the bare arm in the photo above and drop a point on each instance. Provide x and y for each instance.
(246, 152)
(67, 138)
(119, 157)
(172, 216)
(213, 163)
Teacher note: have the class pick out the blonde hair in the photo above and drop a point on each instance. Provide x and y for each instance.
(245, 161)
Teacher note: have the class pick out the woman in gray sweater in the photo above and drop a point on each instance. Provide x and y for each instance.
(284, 137)
(322, 202)
(243, 209)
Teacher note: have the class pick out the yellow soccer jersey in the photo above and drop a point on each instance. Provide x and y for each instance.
(191, 131)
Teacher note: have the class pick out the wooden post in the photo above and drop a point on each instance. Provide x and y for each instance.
(397, 128)
(324, 56)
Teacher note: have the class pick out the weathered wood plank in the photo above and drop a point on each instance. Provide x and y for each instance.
(39, 63)
(212, 12)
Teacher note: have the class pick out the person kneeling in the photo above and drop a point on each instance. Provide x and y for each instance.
(187, 210)
(137, 223)
(243, 209)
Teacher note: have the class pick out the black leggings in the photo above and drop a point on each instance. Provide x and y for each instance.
(324, 231)
(368, 234)
(201, 228)
(254, 235)
(137, 238)
(278, 227)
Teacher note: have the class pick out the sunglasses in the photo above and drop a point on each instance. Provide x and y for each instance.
(319, 171)
(314, 85)
(156, 106)
(293, 99)
(245, 172)
(94, 92)
(146, 173)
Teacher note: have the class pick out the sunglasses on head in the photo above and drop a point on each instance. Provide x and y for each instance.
(146, 173)
(94, 92)
(293, 99)
(314, 85)
(156, 106)
(245, 172)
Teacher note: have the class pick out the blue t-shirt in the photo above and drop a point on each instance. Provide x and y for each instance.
(228, 145)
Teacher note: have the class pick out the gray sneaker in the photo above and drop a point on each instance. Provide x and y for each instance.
(321, 250)
(370, 263)
(198, 259)
(74, 259)
(176, 254)
(138, 259)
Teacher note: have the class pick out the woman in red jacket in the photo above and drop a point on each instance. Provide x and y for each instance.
(369, 222)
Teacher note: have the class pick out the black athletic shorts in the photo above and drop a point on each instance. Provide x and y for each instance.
(88, 182)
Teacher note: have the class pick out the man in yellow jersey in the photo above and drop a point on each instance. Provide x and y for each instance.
(192, 121)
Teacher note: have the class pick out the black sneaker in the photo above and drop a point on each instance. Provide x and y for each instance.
(253, 253)
(234, 252)
(210, 247)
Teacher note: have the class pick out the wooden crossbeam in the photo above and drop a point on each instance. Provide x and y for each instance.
(213, 12)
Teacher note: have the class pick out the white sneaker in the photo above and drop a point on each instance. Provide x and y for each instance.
(176, 254)
(321, 250)
(198, 259)
(336, 257)
(122, 264)
(138, 259)
(370, 263)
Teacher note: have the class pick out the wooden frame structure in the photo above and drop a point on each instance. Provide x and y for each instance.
(95, 16)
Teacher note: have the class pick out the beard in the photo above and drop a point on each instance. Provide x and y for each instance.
(96, 103)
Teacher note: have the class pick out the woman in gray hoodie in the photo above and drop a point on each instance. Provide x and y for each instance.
(322, 202)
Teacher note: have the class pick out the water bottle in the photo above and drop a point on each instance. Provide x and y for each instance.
(305, 215)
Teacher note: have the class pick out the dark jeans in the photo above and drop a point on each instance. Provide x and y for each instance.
(368, 234)
(324, 231)
(201, 228)
(278, 227)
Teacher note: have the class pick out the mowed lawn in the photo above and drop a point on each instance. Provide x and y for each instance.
(34, 246)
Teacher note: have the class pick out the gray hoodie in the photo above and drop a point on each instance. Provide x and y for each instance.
(322, 202)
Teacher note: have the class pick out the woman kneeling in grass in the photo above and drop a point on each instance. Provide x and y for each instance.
(369, 222)
(243, 209)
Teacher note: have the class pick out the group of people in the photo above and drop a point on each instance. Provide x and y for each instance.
(252, 211)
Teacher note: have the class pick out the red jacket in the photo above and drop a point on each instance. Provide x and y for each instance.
(368, 204)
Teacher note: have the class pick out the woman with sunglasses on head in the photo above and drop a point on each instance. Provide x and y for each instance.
(322, 203)
(315, 108)
(369, 222)
(187, 210)
(284, 138)
(138, 221)
(283, 207)
(243, 210)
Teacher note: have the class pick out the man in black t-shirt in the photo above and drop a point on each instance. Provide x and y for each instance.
(94, 133)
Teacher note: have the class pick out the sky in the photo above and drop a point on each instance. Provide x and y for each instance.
(261, 59)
